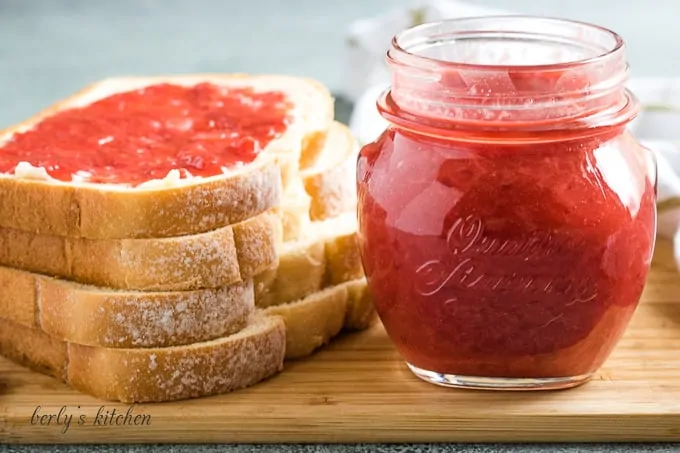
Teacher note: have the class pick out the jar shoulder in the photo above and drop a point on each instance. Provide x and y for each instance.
(578, 183)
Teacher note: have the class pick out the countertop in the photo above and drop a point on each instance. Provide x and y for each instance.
(51, 48)
(413, 448)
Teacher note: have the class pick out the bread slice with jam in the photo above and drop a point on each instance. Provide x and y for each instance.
(153, 157)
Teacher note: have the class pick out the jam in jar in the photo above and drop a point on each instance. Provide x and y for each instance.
(507, 218)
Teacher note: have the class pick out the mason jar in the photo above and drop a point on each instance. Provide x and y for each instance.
(507, 217)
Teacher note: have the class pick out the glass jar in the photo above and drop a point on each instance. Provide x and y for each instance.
(507, 218)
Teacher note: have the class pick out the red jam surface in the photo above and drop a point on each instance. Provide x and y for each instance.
(506, 259)
(140, 135)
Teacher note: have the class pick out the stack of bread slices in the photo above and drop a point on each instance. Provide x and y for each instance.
(184, 287)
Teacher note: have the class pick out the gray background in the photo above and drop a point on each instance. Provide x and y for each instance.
(51, 48)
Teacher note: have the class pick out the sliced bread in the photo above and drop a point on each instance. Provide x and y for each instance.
(295, 211)
(360, 311)
(326, 188)
(330, 180)
(33, 349)
(122, 319)
(314, 320)
(206, 260)
(153, 374)
(300, 271)
(328, 255)
(34, 201)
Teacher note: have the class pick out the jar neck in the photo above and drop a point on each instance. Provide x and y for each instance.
(508, 74)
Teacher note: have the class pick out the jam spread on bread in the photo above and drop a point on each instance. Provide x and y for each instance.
(141, 135)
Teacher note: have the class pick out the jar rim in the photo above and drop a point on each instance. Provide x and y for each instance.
(499, 132)
(399, 48)
(510, 72)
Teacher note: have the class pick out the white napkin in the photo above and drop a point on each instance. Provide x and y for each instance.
(657, 127)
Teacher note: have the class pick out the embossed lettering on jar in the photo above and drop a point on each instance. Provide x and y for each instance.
(507, 218)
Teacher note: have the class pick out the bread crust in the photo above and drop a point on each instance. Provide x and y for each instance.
(330, 182)
(300, 271)
(325, 189)
(361, 313)
(343, 258)
(295, 211)
(169, 374)
(123, 319)
(33, 349)
(328, 256)
(313, 321)
(206, 260)
(295, 330)
(96, 213)
(153, 374)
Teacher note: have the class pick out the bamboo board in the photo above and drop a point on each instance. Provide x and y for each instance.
(358, 390)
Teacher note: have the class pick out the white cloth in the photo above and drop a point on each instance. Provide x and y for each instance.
(657, 127)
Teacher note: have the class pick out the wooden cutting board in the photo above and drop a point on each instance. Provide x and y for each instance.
(358, 390)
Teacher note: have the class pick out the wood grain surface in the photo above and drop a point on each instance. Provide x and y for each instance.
(358, 390)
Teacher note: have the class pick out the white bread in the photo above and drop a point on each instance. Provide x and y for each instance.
(313, 321)
(326, 188)
(153, 374)
(35, 203)
(33, 349)
(343, 257)
(119, 319)
(300, 271)
(309, 324)
(205, 260)
(182, 340)
(122, 319)
(330, 180)
(295, 211)
(360, 310)
(328, 256)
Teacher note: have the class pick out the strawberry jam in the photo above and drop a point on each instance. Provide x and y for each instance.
(505, 247)
(140, 135)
